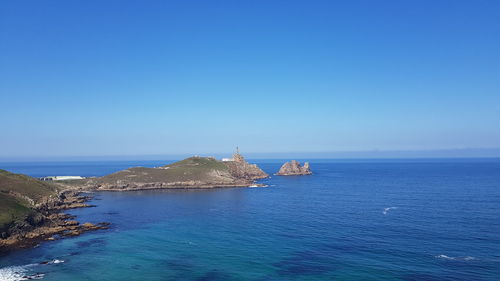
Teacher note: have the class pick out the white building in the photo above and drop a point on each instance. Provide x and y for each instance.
(61, 178)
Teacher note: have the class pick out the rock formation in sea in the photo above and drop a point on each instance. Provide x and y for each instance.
(293, 168)
(193, 172)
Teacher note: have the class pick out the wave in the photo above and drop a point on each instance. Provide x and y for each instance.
(24, 272)
(466, 258)
(386, 210)
(55, 261)
(17, 273)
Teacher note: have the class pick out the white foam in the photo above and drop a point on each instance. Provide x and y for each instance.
(386, 210)
(17, 273)
(466, 258)
(23, 272)
(445, 257)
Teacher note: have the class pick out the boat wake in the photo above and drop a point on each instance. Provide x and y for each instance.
(386, 210)
(445, 257)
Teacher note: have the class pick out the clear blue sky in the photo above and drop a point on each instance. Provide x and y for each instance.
(169, 77)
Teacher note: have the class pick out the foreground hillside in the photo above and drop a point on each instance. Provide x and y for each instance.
(193, 172)
(20, 195)
(30, 211)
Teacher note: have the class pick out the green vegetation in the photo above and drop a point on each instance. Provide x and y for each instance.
(198, 163)
(194, 168)
(26, 186)
(11, 209)
(204, 169)
(17, 192)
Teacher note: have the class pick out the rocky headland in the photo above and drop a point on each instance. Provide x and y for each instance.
(31, 212)
(293, 168)
(193, 172)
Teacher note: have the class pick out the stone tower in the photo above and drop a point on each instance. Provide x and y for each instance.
(237, 156)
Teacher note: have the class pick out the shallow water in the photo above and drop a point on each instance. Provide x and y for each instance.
(394, 220)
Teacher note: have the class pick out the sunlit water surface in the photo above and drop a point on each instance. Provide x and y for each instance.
(351, 220)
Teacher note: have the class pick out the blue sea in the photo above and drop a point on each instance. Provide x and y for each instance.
(351, 220)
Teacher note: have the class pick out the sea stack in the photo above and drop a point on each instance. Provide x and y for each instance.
(293, 168)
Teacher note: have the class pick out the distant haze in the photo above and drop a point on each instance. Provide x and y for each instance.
(323, 79)
(334, 156)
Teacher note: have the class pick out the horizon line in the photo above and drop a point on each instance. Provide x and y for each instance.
(350, 154)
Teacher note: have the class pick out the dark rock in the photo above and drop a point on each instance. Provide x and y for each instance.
(45, 222)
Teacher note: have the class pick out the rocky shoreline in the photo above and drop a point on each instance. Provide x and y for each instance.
(50, 224)
(162, 186)
(43, 218)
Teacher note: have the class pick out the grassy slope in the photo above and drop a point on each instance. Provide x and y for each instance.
(13, 208)
(193, 168)
(26, 186)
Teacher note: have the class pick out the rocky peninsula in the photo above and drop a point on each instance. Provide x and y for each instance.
(193, 172)
(293, 168)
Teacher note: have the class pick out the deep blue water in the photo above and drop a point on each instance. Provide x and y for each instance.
(443, 224)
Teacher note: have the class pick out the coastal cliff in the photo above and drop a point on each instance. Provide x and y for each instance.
(241, 169)
(193, 172)
(293, 168)
(30, 211)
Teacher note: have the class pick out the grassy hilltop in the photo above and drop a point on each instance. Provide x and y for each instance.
(190, 169)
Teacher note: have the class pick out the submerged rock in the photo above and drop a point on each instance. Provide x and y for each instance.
(293, 168)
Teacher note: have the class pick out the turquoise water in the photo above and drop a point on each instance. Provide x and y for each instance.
(377, 220)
